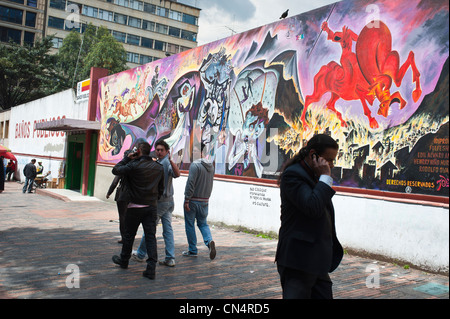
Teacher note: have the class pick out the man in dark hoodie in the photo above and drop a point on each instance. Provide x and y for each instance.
(196, 196)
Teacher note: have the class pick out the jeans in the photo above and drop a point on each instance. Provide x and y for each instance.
(165, 210)
(28, 184)
(199, 211)
(133, 218)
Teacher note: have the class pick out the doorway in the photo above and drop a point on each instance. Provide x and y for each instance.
(74, 171)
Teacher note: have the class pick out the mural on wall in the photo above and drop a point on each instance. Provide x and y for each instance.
(372, 74)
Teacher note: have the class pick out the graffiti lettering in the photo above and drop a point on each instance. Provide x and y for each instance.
(443, 182)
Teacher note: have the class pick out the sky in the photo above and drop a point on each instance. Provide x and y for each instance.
(220, 19)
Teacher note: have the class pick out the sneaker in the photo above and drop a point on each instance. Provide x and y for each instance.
(117, 260)
(135, 257)
(212, 249)
(189, 254)
(168, 262)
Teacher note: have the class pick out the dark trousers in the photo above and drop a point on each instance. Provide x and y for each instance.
(298, 284)
(122, 209)
(133, 218)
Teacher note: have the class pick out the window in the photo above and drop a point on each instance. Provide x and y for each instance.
(120, 36)
(146, 42)
(71, 7)
(159, 45)
(163, 12)
(105, 15)
(182, 48)
(56, 23)
(120, 18)
(147, 25)
(57, 42)
(190, 19)
(28, 38)
(32, 3)
(150, 8)
(123, 3)
(160, 28)
(58, 4)
(30, 19)
(11, 15)
(90, 11)
(133, 39)
(188, 35)
(175, 15)
(133, 57)
(134, 22)
(145, 59)
(175, 32)
(7, 34)
(172, 48)
(137, 5)
(6, 125)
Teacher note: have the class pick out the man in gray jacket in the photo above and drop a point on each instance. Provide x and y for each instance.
(196, 196)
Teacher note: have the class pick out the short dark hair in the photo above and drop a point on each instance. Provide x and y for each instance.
(163, 143)
(145, 148)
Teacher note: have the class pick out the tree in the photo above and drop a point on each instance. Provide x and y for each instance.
(93, 48)
(107, 53)
(27, 73)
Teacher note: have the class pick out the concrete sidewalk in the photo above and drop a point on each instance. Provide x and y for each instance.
(45, 241)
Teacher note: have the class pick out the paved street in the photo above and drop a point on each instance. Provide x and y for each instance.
(43, 239)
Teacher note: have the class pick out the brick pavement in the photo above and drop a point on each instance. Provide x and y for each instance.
(40, 236)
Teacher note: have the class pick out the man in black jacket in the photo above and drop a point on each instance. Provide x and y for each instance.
(30, 174)
(308, 248)
(143, 185)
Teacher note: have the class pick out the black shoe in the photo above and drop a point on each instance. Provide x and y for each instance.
(117, 260)
(212, 249)
(149, 273)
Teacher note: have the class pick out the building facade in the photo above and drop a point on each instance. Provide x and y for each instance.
(22, 21)
(149, 30)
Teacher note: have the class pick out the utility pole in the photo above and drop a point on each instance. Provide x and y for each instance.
(79, 52)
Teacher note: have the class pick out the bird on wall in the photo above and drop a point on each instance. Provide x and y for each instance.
(285, 14)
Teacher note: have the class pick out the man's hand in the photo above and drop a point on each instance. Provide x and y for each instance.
(133, 155)
(186, 206)
(321, 166)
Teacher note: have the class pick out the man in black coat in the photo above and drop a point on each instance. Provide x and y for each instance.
(30, 174)
(142, 186)
(308, 248)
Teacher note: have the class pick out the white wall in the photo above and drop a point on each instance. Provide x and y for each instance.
(415, 234)
(49, 147)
